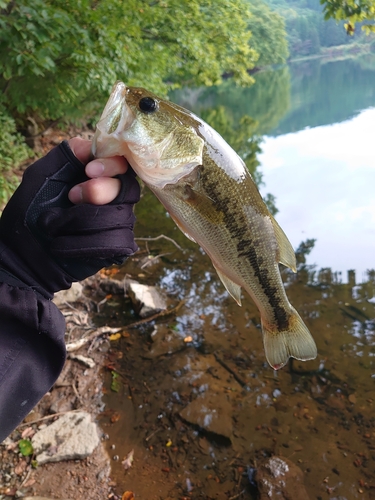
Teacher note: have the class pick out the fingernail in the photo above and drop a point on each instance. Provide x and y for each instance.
(94, 168)
(75, 194)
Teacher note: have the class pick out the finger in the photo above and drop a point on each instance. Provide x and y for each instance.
(106, 167)
(99, 191)
(81, 148)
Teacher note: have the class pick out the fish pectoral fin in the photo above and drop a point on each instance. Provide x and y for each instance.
(296, 342)
(203, 204)
(232, 288)
(182, 147)
(286, 256)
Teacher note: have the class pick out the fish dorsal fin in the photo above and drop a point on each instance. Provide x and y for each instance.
(232, 288)
(286, 256)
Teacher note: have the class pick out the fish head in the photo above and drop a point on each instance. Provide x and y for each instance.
(159, 139)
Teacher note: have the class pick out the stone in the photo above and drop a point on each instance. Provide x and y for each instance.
(211, 412)
(280, 479)
(70, 295)
(147, 300)
(72, 436)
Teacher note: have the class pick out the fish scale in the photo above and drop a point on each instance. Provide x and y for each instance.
(211, 196)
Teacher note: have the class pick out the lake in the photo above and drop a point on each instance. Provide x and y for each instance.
(194, 397)
(318, 159)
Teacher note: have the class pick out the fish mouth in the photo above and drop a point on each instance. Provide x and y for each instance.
(116, 117)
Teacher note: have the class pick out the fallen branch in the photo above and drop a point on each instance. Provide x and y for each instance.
(160, 237)
(74, 346)
(47, 417)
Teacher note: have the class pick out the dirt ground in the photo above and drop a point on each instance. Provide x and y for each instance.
(78, 388)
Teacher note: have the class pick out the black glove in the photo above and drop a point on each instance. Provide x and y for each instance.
(47, 242)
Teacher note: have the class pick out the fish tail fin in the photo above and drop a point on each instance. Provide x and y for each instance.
(295, 342)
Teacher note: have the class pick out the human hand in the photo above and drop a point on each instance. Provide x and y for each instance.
(67, 220)
(101, 188)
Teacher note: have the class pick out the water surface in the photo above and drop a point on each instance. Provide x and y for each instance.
(197, 401)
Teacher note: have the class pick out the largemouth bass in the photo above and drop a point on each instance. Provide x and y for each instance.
(211, 196)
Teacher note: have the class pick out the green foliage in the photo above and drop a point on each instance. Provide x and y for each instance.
(13, 151)
(352, 11)
(268, 35)
(26, 448)
(303, 250)
(59, 58)
(308, 30)
(115, 382)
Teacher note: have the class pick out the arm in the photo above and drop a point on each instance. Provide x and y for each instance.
(49, 237)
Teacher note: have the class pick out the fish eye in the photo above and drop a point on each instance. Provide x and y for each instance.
(148, 105)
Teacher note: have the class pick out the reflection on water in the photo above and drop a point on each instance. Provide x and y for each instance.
(317, 160)
(201, 415)
(198, 403)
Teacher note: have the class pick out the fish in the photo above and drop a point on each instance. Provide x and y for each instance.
(213, 199)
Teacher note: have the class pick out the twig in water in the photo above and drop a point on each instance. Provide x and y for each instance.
(160, 237)
(237, 496)
(239, 379)
(153, 434)
(151, 259)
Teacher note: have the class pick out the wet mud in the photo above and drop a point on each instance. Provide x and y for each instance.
(192, 395)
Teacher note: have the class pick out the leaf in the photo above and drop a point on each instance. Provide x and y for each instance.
(115, 336)
(26, 448)
(128, 461)
(115, 384)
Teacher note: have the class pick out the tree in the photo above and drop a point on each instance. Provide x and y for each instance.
(352, 11)
(59, 58)
(268, 35)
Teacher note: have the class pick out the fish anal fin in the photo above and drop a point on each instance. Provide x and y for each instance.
(232, 288)
(296, 342)
(287, 257)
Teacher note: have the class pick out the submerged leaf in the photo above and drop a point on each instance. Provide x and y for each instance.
(115, 384)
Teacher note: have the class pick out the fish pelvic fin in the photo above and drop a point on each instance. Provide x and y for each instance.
(232, 288)
(296, 342)
(286, 256)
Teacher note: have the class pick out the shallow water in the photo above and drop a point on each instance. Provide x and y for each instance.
(319, 414)
(202, 414)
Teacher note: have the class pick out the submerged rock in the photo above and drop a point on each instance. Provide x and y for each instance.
(72, 436)
(280, 479)
(147, 300)
(211, 412)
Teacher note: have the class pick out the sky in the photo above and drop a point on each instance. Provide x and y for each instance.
(324, 182)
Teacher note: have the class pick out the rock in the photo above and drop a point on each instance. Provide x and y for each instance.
(211, 412)
(280, 479)
(147, 300)
(73, 436)
(70, 295)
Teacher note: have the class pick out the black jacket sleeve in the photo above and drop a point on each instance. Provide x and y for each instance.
(46, 243)
(32, 349)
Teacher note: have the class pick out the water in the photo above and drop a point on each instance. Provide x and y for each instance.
(202, 415)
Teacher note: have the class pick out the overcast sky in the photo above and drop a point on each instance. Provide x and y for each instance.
(324, 182)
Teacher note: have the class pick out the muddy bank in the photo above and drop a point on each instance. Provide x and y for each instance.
(78, 389)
